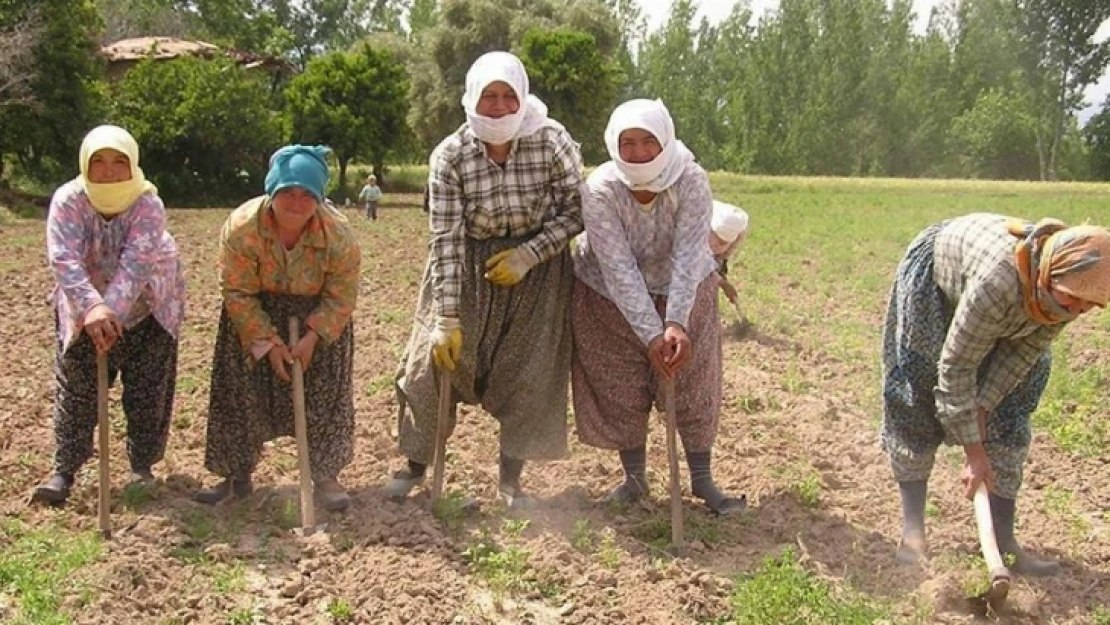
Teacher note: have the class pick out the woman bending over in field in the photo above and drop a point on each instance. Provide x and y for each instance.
(504, 203)
(976, 303)
(288, 253)
(645, 301)
(119, 291)
(728, 227)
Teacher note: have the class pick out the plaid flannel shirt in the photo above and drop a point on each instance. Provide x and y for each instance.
(974, 267)
(536, 192)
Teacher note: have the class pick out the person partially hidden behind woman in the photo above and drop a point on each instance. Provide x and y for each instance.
(975, 306)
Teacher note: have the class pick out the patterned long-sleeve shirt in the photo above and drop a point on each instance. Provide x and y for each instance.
(629, 253)
(324, 262)
(536, 193)
(129, 263)
(975, 269)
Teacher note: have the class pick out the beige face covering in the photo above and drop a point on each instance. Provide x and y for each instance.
(112, 198)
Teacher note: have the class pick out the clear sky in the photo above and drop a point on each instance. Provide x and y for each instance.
(716, 10)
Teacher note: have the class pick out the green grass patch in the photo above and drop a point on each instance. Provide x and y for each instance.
(803, 483)
(1060, 505)
(503, 568)
(340, 611)
(1071, 408)
(450, 510)
(379, 384)
(136, 496)
(241, 616)
(37, 567)
(228, 578)
(781, 591)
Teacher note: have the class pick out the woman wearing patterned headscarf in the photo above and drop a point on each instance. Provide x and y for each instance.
(976, 303)
(119, 291)
(504, 204)
(288, 253)
(645, 301)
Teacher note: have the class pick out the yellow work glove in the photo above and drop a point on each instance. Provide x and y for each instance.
(508, 267)
(446, 343)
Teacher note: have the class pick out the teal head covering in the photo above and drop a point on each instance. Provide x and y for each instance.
(304, 166)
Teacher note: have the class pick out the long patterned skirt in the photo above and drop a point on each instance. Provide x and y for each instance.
(615, 384)
(515, 357)
(249, 405)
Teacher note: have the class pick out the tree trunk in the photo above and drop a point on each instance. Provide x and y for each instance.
(1058, 124)
(343, 180)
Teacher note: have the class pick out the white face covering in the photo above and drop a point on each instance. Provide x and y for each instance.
(504, 67)
(497, 131)
(652, 116)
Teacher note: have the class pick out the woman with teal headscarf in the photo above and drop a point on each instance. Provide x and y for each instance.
(288, 253)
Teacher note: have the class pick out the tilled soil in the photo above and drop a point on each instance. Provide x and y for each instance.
(798, 436)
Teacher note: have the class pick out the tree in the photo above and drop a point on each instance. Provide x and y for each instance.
(44, 135)
(354, 102)
(17, 43)
(124, 19)
(676, 67)
(422, 17)
(992, 139)
(578, 84)
(1096, 135)
(466, 29)
(203, 126)
(1059, 60)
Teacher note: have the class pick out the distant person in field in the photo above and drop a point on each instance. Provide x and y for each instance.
(976, 304)
(493, 308)
(645, 302)
(120, 291)
(288, 253)
(728, 227)
(370, 196)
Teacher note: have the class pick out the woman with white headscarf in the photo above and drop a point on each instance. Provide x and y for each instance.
(493, 308)
(119, 291)
(645, 301)
(728, 228)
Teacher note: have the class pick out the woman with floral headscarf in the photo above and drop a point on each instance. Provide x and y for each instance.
(504, 204)
(645, 301)
(976, 303)
(288, 253)
(119, 291)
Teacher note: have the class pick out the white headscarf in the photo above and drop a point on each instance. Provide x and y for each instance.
(728, 221)
(652, 116)
(507, 68)
(112, 198)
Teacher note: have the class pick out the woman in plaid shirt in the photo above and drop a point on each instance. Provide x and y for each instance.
(504, 204)
(975, 306)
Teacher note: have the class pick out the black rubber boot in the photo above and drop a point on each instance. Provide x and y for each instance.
(403, 481)
(634, 487)
(703, 487)
(237, 487)
(1004, 511)
(913, 547)
(54, 491)
(509, 489)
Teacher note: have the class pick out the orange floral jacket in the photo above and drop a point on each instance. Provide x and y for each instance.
(325, 262)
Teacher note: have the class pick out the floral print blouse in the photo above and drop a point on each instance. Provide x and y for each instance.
(324, 262)
(129, 262)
